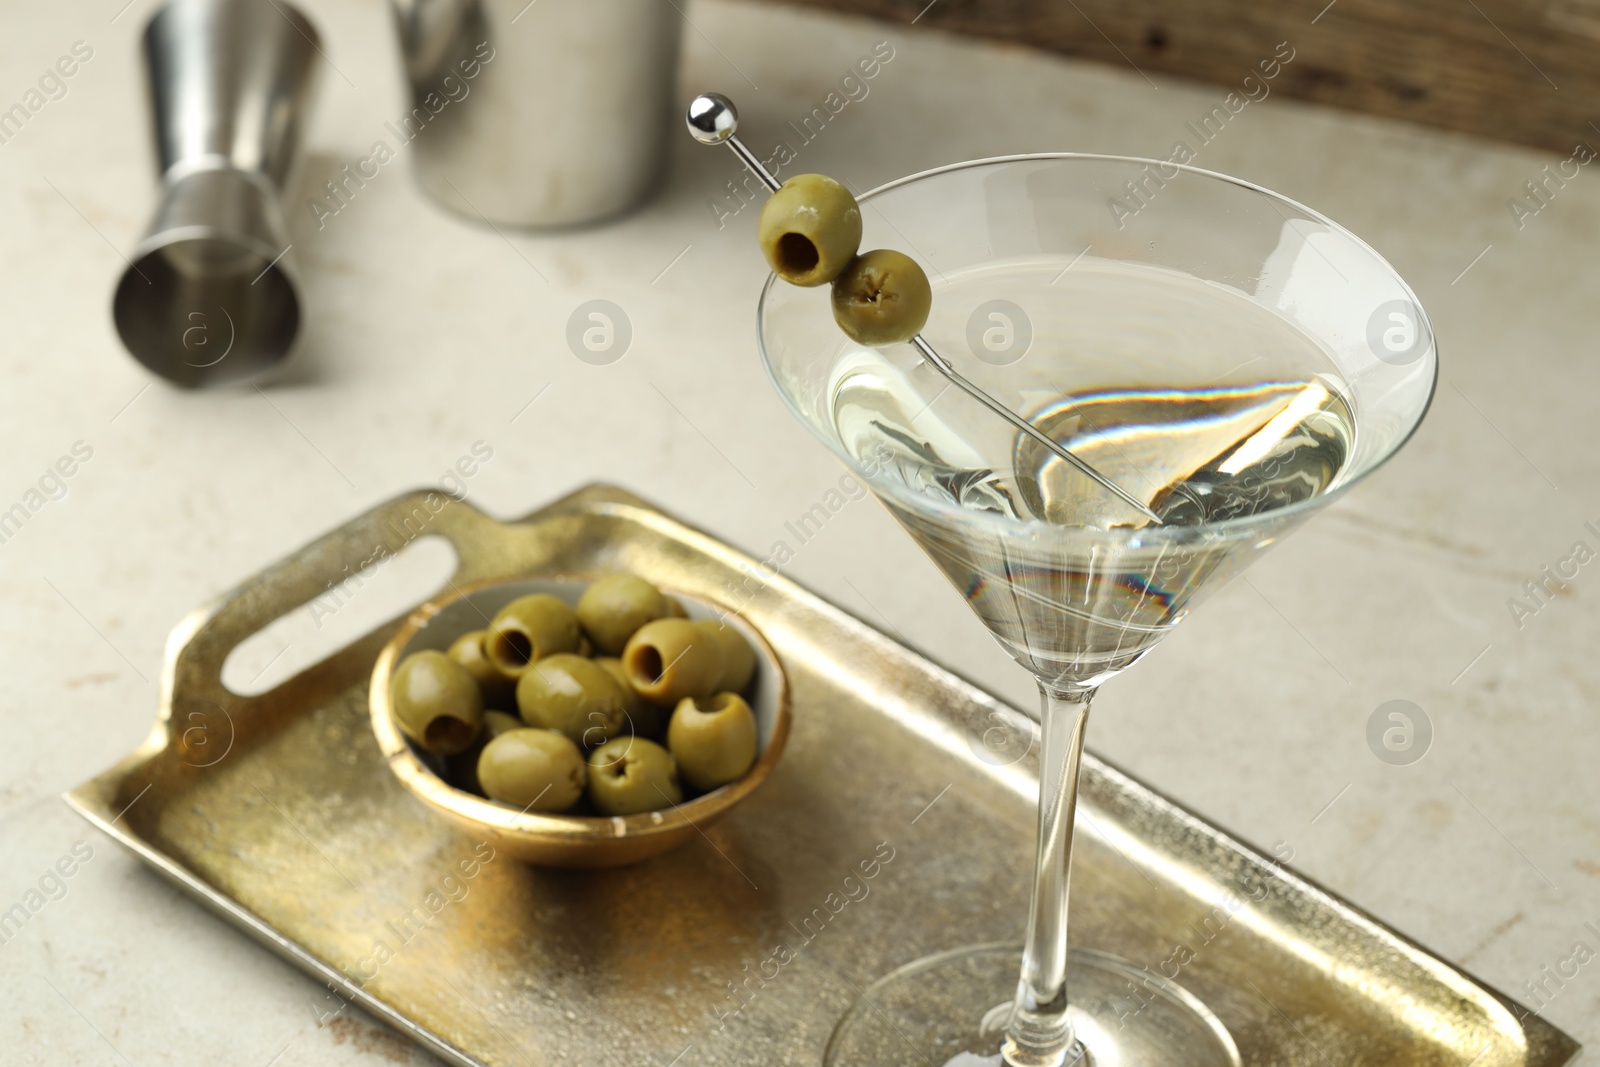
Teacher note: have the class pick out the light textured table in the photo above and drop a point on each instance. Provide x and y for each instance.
(426, 335)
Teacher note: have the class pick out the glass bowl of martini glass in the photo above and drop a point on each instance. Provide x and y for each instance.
(1230, 358)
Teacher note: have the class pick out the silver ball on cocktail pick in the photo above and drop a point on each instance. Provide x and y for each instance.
(712, 118)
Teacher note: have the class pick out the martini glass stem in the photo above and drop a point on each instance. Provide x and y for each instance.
(1039, 1033)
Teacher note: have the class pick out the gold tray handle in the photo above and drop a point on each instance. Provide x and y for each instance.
(198, 712)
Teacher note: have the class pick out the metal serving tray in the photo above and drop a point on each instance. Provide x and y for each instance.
(744, 947)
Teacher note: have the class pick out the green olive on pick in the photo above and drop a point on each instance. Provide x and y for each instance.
(810, 229)
(713, 740)
(882, 298)
(436, 702)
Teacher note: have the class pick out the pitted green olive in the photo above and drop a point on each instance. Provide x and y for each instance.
(810, 229)
(670, 659)
(462, 768)
(738, 658)
(534, 770)
(528, 629)
(882, 298)
(646, 718)
(496, 723)
(436, 702)
(713, 740)
(499, 690)
(614, 607)
(574, 696)
(630, 775)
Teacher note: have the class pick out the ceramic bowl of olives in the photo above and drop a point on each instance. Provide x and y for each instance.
(579, 722)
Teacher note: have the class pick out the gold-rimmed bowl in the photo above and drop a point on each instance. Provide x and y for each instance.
(566, 840)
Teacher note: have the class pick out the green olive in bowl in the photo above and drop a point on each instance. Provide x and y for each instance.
(644, 717)
(738, 658)
(499, 689)
(670, 659)
(713, 740)
(574, 696)
(535, 770)
(462, 768)
(436, 702)
(614, 607)
(528, 629)
(630, 775)
(496, 723)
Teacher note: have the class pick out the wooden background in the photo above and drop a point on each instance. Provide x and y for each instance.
(1518, 70)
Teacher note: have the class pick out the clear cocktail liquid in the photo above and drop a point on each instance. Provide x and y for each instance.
(1198, 401)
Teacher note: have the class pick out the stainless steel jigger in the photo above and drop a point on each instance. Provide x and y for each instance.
(210, 296)
(713, 120)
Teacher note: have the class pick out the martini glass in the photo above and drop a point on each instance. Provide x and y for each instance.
(1227, 356)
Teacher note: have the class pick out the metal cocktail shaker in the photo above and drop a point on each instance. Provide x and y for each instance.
(210, 295)
(539, 112)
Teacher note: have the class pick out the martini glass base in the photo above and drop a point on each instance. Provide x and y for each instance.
(923, 1014)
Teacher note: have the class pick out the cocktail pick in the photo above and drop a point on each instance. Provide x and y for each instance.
(712, 119)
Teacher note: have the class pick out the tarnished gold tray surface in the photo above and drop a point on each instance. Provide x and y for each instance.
(890, 830)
